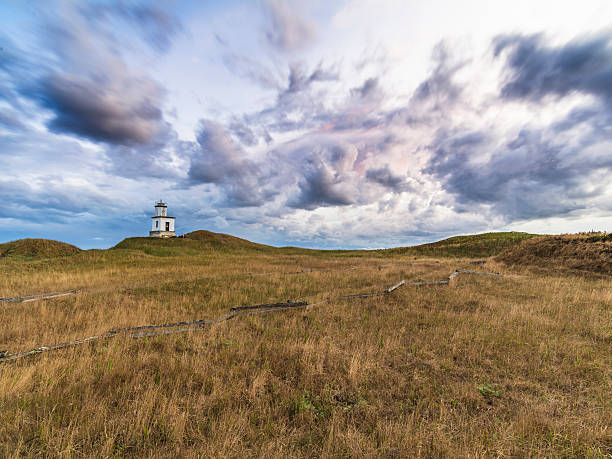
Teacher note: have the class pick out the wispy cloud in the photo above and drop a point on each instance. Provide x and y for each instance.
(288, 29)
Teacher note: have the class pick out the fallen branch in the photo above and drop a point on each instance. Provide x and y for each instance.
(289, 304)
(393, 287)
(40, 296)
(429, 283)
(465, 271)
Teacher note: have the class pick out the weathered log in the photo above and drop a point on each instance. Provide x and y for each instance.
(290, 304)
(393, 287)
(442, 282)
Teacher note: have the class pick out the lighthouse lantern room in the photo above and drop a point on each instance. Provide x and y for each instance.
(162, 225)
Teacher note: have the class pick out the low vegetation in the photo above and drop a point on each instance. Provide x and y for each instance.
(513, 366)
(575, 252)
(479, 245)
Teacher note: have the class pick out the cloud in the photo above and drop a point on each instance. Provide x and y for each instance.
(48, 198)
(84, 81)
(15, 72)
(326, 172)
(162, 157)
(11, 120)
(437, 96)
(251, 69)
(288, 29)
(300, 104)
(536, 69)
(219, 160)
(299, 80)
(527, 169)
(386, 178)
(322, 186)
(243, 132)
(157, 25)
(530, 176)
(439, 86)
(370, 88)
(109, 107)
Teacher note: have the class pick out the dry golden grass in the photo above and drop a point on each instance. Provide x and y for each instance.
(492, 366)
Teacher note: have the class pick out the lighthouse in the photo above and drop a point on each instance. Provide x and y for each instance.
(162, 225)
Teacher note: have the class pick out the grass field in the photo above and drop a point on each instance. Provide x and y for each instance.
(512, 366)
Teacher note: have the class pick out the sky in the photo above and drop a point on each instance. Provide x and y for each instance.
(323, 124)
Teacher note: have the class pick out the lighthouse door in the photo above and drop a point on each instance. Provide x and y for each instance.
(167, 226)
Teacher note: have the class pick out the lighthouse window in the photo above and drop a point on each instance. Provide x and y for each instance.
(156, 224)
(167, 226)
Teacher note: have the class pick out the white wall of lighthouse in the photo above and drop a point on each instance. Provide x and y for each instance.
(162, 224)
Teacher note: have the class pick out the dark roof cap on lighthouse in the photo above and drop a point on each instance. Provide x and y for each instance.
(160, 203)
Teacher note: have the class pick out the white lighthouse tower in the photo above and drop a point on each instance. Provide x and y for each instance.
(162, 225)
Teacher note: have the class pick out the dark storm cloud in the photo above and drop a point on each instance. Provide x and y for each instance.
(219, 160)
(536, 69)
(385, 177)
(438, 95)
(321, 186)
(370, 88)
(219, 155)
(93, 93)
(85, 83)
(531, 176)
(439, 86)
(299, 80)
(288, 30)
(108, 108)
(325, 172)
(542, 171)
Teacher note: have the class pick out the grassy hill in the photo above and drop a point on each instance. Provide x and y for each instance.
(36, 249)
(474, 246)
(223, 240)
(197, 242)
(190, 244)
(583, 252)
